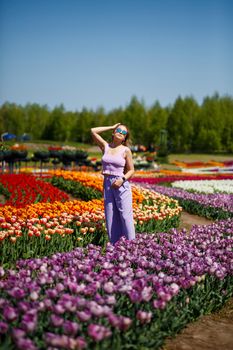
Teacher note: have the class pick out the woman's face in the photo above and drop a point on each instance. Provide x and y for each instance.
(120, 133)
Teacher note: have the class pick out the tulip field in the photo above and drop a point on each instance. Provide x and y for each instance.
(63, 286)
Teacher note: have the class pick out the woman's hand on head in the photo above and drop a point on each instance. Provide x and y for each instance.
(116, 125)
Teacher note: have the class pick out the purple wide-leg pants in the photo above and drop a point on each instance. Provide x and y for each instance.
(118, 210)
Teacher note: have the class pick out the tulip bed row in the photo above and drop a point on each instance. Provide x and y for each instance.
(75, 188)
(205, 186)
(130, 297)
(44, 228)
(197, 164)
(217, 206)
(156, 178)
(22, 189)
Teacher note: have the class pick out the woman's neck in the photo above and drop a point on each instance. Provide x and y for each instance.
(115, 144)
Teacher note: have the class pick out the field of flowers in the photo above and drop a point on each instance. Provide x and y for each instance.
(210, 167)
(46, 227)
(206, 186)
(62, 286)
(209, 196)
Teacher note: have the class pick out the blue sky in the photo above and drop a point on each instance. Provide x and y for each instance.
(92, 53)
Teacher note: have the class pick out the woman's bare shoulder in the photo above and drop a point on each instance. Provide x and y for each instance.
(128, 150)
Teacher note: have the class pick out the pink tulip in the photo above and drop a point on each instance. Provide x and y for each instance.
(9, 313)
(143, 316)
(98, 332)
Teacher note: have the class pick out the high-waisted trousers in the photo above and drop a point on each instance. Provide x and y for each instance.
(118, 210)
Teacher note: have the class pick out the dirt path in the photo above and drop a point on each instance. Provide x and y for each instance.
(188, 220)
(209, 332)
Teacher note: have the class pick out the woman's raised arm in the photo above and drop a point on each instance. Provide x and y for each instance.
(97, 138)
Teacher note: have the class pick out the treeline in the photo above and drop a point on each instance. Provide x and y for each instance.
(189, 127)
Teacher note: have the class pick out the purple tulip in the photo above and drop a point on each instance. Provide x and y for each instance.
(29, 326)
(135, 297)
(125, 323)
(163, 294)
(18, 333)
(3, 327)
(80, 343)
(57, 341)
(73, 287)
(146, 293)
(99, 299)
(159, 304)
(114, 320)
(67, 305)
(60, 287)
(52, 293)
(70, 328)
(2, 302)
(26, 343)
(48, 304)
(109, 287)
(95, 309)
(34, 295)
(24, 306)
(84, 316)
(56, 321)
(143, 316)
(59, 309)
(98, 332)
(81, 302)
(9, 313)
(17, 293)
(174, 288)
(110, 300)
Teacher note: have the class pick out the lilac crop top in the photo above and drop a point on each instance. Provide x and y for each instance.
(113, 164)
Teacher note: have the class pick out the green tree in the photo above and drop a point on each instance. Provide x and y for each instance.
(226, 110)
(36, 119)
(157, 121)
(56, 126)
(190, 127)
(12, 117)
(209, 122)
(134, 117)
(180, 123)
(208, 140)
(83, 124)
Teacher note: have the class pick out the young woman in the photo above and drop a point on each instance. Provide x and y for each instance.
(118, 168)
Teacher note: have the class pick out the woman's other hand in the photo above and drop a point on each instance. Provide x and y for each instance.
(118, 183)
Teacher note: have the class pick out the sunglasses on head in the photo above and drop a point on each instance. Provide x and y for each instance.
(120, 131)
